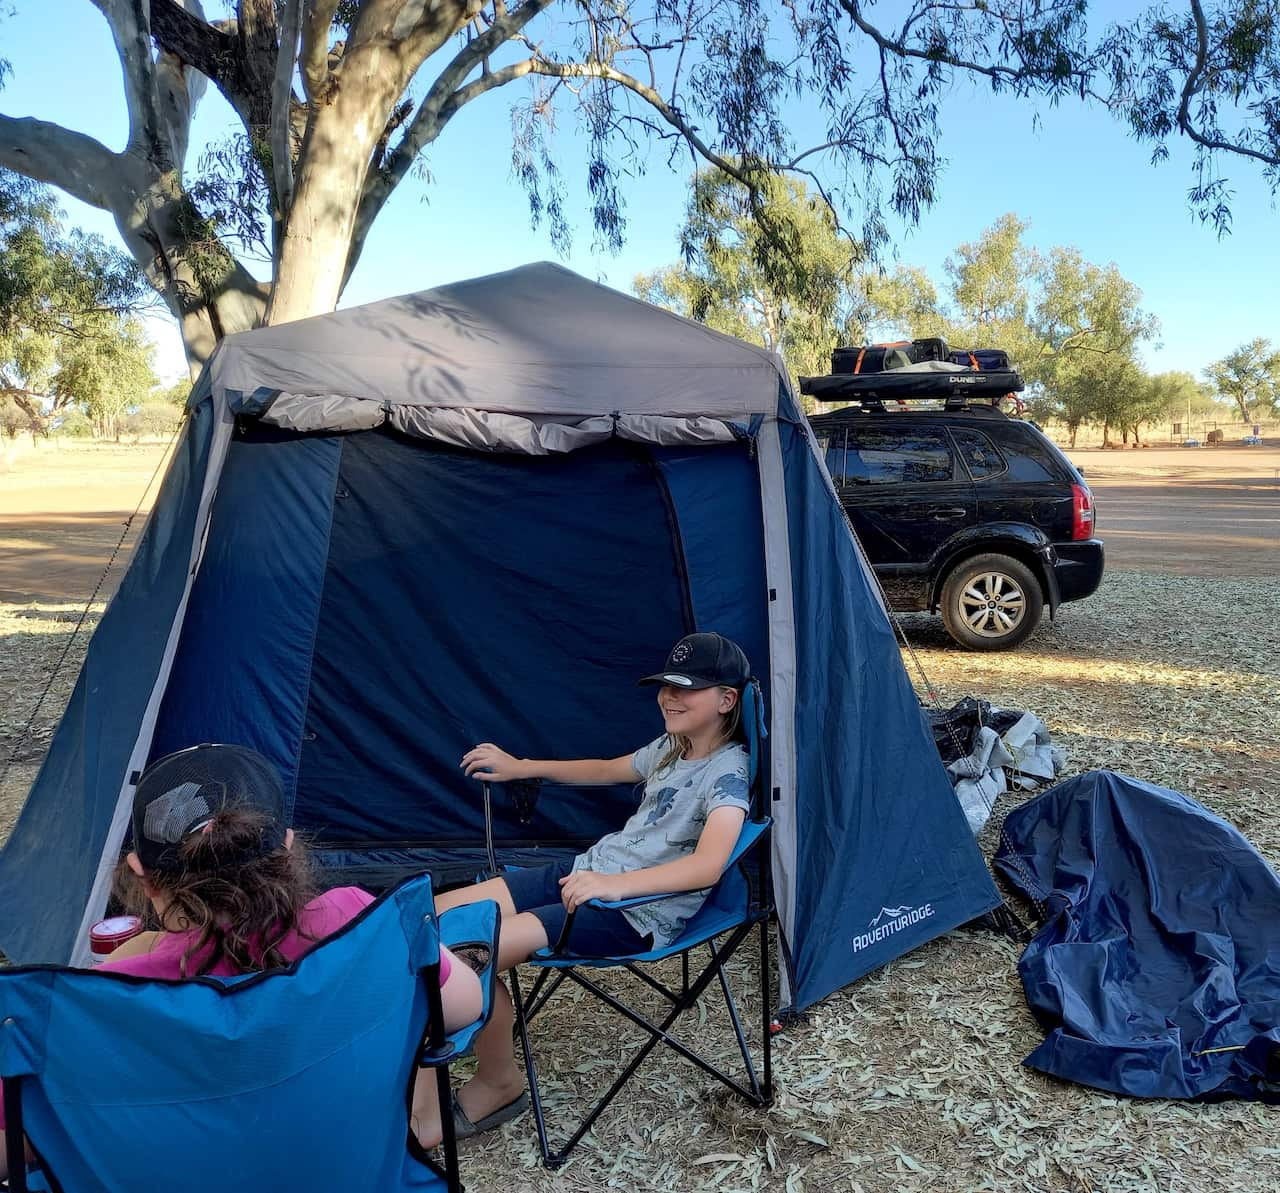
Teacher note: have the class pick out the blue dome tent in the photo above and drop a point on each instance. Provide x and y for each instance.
(480, 513)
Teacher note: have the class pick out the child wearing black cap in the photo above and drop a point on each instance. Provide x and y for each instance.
(678, 840)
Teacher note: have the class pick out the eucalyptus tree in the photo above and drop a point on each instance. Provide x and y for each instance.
(62, 293)
(338, 100)
(1249, 376)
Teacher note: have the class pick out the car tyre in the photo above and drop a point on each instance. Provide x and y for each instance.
(991, 602)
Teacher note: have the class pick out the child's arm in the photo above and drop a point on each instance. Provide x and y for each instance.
(487, 762)
(702, 868)
(135, 946)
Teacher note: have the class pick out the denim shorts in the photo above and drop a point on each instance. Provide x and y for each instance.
(597, 931)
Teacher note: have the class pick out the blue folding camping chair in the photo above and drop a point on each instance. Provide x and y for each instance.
(740, 902)
(291, 1079)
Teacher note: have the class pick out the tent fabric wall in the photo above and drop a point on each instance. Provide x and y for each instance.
(241, 670)
(715, 498)
(58, 842)
(463, 603)
(876, 815)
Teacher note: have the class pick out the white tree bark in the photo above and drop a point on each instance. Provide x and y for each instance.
(349, 111)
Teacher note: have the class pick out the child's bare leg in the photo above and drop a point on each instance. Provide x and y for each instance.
(462, 1000)
(498, 1079)
(493, 888)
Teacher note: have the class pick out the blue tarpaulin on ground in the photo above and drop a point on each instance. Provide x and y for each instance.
(1157, 972)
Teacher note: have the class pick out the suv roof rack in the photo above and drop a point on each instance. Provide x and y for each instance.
(957, 388)
(871, 406)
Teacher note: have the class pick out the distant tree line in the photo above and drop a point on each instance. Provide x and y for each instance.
(785, 276)
(73, 353)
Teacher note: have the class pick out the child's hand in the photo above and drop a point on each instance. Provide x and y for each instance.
(584, 885)
(488, 763)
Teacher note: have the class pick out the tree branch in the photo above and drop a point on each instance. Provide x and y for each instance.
(282, 106)
(314, 58)
(421, 131)
(935, 55)
(1192, 87)
(197, 43)
(130, 30)
(438, 106)
(606, 73)
(49, 153)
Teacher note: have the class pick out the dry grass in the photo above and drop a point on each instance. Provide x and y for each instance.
(911, 1080)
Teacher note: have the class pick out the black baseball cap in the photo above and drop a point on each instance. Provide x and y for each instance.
(704, 661)
(179, 794)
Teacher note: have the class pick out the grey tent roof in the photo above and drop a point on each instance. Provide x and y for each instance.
(538, 340)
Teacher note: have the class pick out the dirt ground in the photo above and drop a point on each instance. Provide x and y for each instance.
(1189, 511)
(911, 1079)
(63, 508)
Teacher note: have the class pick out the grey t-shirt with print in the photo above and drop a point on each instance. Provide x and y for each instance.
(667, 825)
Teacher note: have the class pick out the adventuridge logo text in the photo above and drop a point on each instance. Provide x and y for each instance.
(889, 921)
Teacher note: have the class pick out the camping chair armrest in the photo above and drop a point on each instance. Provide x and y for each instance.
(748, 839)
(470, 925)
(634, 901)
(752, 833)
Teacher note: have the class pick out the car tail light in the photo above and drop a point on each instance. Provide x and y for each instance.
(1081, 513)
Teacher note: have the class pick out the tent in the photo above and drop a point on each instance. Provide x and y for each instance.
(479, 513)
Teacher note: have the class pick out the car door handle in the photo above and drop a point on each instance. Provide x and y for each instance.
(944, 513)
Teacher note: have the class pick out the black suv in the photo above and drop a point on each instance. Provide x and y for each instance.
(966, 511)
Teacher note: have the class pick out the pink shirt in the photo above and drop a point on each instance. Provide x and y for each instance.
(320, 918)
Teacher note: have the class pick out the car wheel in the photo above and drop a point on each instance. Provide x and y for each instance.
(991, 602)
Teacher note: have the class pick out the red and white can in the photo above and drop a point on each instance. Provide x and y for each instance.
(108, 935)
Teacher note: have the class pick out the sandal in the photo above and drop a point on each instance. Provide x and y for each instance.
(464, 1128)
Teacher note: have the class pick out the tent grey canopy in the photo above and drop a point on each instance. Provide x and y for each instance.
(480, 513)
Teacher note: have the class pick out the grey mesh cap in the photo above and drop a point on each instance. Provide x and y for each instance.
(704, 661)
(179, 794)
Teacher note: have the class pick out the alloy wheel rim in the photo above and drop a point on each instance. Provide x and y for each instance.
(993, 604)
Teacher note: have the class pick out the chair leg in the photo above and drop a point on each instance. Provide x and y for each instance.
(660, 1033)
(766, 1012)
(15, 1142)
(531, 1069)
(739, 1035)
(536, 1003)
(444, 1094)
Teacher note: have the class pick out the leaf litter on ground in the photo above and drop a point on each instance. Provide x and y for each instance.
(909, 1080)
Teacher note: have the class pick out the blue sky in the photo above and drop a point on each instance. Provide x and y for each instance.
(1073, 174)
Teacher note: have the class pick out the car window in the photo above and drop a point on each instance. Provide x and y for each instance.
(1030, 459)
(893, 456)
(980, 455)
(831, 445)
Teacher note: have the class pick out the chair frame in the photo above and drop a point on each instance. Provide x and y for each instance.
(754, 1088)
(557, 965)
(434, 1050)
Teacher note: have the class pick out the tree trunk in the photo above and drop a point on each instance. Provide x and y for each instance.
(332, 166)
(210, 294)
